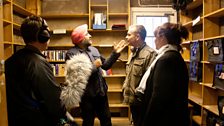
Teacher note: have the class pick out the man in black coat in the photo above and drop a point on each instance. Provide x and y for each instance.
(33, 96)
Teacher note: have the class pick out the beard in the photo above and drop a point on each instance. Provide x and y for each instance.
(86, 43)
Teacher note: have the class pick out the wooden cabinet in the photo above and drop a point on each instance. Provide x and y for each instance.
(210, 14)
(63, 16)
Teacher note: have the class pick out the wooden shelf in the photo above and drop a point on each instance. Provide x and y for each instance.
(216, 14)
(6, 42)
(55, 46)
(118, 14)
(117, 121)
(106, 30)
(111, 76)
(209, 85)
(99, 6)
(21, 10)
(185, 42)
(115, 90)
(212, 108)
(214, 37)
(194, 4)
(197, 119)
(195, 99)
(119, 105)
(190, 23)
(6, 1)
(16, 26)
(58, 16)
(6, 22)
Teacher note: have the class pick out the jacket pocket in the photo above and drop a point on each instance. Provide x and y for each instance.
(138, 67)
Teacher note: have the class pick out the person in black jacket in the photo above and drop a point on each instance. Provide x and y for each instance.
(33, 96)
(94, 100)
(164, 86)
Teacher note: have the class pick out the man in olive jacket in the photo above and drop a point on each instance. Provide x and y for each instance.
(141, 57)
(33, 96)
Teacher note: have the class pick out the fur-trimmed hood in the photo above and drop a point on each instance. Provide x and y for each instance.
(78, 70)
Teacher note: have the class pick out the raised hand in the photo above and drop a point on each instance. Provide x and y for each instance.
(118, 47)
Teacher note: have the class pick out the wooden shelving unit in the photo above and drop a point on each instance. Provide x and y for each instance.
(116, 12)
(209, 27)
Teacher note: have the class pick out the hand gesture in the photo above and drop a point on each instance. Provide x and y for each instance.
(98, 63)
(118, 47)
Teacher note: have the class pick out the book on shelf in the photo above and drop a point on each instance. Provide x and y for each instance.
(58, 69)
(107, 72)
(99, 21)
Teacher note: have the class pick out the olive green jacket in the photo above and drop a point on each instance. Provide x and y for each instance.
(137, 64)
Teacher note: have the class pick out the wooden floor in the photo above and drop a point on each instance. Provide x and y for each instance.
(118, 121)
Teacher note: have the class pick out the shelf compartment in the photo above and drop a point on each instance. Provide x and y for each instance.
(208, 72)
(186, 51)
(65, 23)
(7, 28)
(190, 23)
(60, 40)
(118, 6)
(210, 96)
(195, 92)
(195, 99)
(109, 37)
(17, 8)
(197, 119)
(8, 50)
(7, 10)
(115, 98)
(212, 6)
(106, 52)
(189, 15)
(194, 4)
(115, 82)
(212, 108)
(6, 1)
(216, 14)
(213, 27)
(98, 2)
(17, 38)
(60, 7)
(16, 26)
(21, 3)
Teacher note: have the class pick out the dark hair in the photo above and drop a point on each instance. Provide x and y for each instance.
(140, 29)
(173, 33)
(30, 28)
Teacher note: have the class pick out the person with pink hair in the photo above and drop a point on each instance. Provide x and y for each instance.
(94, 101)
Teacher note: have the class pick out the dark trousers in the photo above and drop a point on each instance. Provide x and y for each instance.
(135, 112)
(95, 106)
